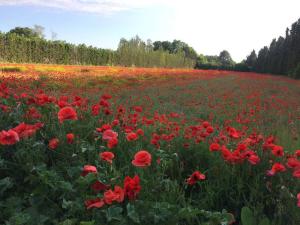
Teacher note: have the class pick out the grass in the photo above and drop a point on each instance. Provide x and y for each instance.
(13, 69)
(41, 184)
(44, 69)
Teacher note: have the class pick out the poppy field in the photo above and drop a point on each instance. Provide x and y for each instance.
(95, 145)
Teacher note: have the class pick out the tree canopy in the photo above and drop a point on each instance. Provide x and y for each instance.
(281, 57)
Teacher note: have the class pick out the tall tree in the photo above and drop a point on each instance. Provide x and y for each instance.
(251, 60)
(225, 58)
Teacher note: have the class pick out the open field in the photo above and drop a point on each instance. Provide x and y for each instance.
(117, 145)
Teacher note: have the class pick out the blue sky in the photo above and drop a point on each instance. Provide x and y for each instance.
(209, 26)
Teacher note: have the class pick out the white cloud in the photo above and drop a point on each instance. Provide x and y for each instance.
(90, 6)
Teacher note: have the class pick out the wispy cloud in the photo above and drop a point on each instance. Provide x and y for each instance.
(89, 6)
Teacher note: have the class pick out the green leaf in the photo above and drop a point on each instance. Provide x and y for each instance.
(5, 184)
(114, 213)
(132, 214)
(247, 217)
(87, 222)
(19, 219)
(264, 221)
(66, 186)
(66, 204)
(68, 222)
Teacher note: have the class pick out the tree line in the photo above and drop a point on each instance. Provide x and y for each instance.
(281, 57)
(28, 45)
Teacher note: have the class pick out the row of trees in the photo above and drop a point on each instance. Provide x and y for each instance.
(28, 45)
(281, 57)
(223, 61)
(34, 49)
(137, 52)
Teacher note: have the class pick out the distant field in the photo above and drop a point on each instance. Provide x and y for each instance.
(240, 130)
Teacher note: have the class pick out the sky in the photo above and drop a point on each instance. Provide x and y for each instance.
(209, 26)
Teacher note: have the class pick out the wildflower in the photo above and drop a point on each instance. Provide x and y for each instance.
(99, 186)
(196, 176)
(132, 187)
(70, 138)
(9, 137)
(94, 203)
(214, 147)
(142, 159)
(296, 172)
(140, 132)
(277, 150)
(116, 195)
(109, 134)
(53, 143)
(132, 136)
(88, 169)
(67, 113)
(107, 156)
(112, 143)
(277, 167)
(209, 130)
(253, 159)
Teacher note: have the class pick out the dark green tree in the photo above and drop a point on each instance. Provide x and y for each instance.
(251, 60)
(225, 59)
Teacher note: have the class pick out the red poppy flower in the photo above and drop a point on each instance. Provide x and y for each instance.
(107, 156)
(140, 132)
(277, 167)
(70, 138)
(106, 96)
(104, 127)
(142, 159)
(115, 122)
(112, 143)
(88, 169)
(205, 124)
(94, 203)
(196, 176)
(116, 195)
(132, 187)
(99, 186)
(293, 162)
(96, 110)
(253, 159)
(67, 113)
(109, 197)
(119, 194)
(132, 136)
(109, 134)
(26, 130)
(296, 172)
(209, 129)
(277, 150)
(298, 197)
(9, 137)
(53, 143)
(214, 147)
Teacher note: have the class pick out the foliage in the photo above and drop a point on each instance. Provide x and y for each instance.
(135, 52)
(26, 45)
(55, 138)
(281, 57)
(221, 62)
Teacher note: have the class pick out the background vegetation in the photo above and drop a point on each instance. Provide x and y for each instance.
(28, 45)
